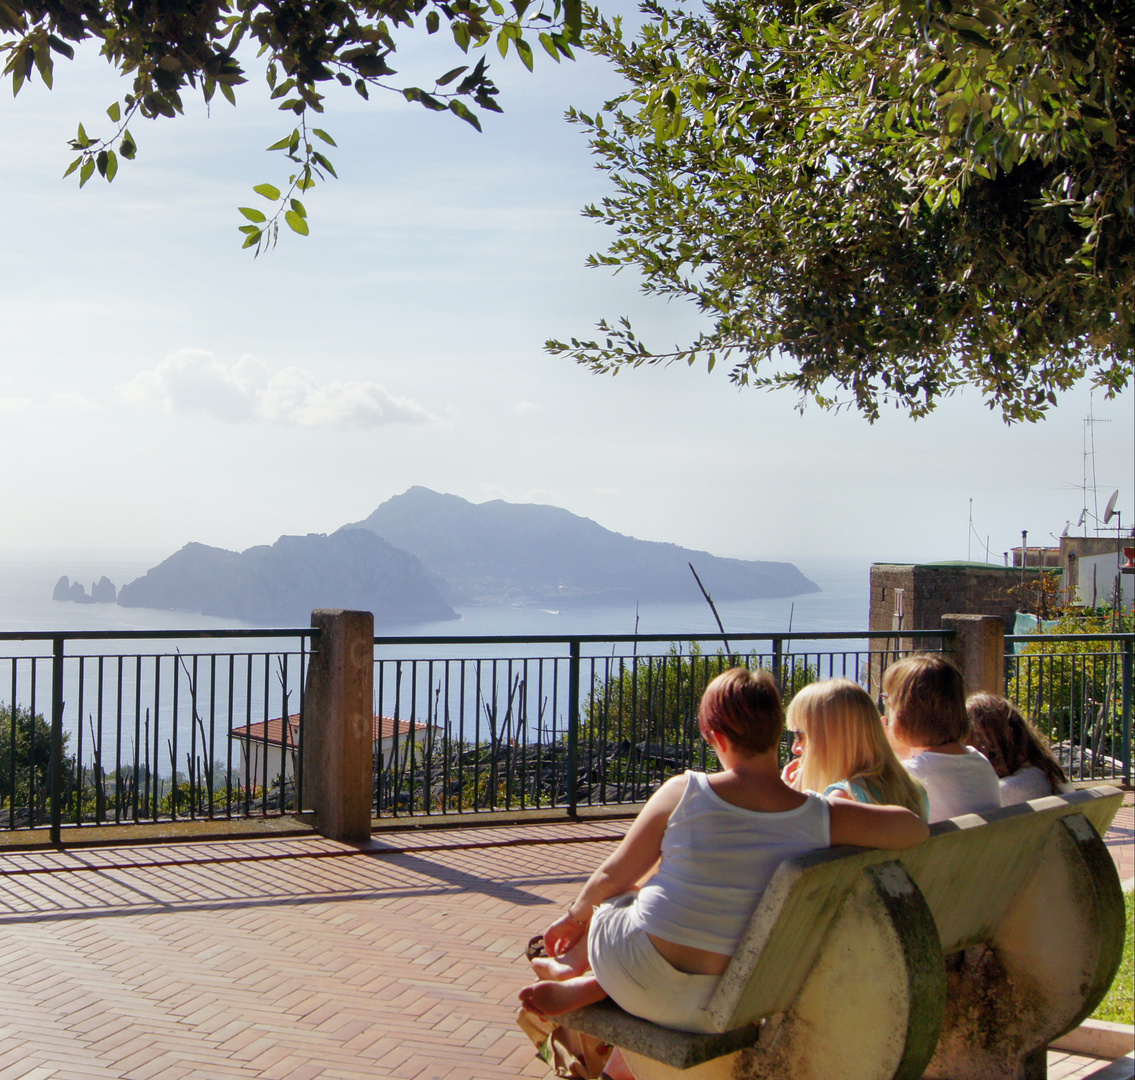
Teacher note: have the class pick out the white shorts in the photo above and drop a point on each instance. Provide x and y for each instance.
(637, 977)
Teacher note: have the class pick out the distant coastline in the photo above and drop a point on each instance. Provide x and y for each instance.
(27, 579)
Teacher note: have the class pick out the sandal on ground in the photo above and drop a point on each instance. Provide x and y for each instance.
(535, 948)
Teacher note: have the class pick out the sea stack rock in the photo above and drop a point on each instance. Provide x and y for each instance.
(79, 594)
(104, 592)
(62, 589)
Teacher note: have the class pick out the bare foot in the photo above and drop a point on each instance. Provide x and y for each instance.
(556, 970)
(617, 1067)
(555, 998)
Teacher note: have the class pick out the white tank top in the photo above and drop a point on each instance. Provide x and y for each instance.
(717, 860)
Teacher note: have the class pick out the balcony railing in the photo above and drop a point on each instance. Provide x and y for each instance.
(205, 725)
(1077, 689)
(510, 724)
(193, 725)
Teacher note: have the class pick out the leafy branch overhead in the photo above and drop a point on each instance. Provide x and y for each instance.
(878, 202)
(170, 46)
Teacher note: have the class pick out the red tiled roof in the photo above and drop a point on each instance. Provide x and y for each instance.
(383, 729)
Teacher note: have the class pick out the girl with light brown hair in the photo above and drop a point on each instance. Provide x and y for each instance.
(1026, 767)
(927, 725)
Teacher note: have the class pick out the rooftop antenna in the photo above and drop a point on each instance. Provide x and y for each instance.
(1090, 459)
(1117, 595)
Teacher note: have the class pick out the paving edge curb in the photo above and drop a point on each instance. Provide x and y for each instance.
(1122, 1069)
(1098, 1038)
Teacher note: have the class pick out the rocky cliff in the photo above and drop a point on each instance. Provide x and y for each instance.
(283, 583)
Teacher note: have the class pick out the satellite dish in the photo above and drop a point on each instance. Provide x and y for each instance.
(1109, 512)
(1067, 526)
(1083, 516)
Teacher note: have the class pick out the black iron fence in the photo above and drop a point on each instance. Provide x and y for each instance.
(1077, 688)
(193, 725)
(196, 724)
(571, 722)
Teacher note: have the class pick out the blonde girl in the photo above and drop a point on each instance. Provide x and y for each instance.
(844, 751)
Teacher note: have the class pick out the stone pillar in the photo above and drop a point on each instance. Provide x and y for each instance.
(979, 651)
(338, 731)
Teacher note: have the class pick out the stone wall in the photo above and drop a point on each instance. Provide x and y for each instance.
(932, 590)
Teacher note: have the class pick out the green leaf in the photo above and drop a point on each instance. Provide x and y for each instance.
(449, 76)
(86, 171)
(432, 22)
(267, 191)
(324, 136)
(320, 160)
(296, 223)
(525, 51)
(111, 165)
(113, 112)
(298, 207)
(252, 238)
(252, 214)
(229, 93)
(60, 47)
(72, 167)
(459, 108)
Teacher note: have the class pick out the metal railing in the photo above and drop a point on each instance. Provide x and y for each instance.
(575, 721)
(187, 728)
(1077, 688)
(209, 724)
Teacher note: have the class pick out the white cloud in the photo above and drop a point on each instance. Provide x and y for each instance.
(68, 399)
(14, 404)
(192, 380)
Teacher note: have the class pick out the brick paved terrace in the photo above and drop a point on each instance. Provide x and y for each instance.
(295, 959)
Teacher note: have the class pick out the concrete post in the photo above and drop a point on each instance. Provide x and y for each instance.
(979, 651)
(338, 731)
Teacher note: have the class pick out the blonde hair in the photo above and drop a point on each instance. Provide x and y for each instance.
(844, 740)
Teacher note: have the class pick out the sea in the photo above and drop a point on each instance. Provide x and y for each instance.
(266, 685)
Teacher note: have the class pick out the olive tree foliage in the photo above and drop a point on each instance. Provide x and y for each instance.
(877, 202)
(171, 47)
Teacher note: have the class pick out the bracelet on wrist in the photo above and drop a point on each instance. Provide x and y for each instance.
(572, 919)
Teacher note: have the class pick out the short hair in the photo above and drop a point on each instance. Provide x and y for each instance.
(844, 740)
(1009, 740)
(745, 707)
(926, 700)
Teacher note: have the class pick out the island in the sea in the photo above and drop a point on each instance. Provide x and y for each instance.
(420, 554)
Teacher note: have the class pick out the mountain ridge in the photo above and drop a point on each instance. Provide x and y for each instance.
(419, 554)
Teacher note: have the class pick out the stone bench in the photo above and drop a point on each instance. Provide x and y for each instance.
(961, 959)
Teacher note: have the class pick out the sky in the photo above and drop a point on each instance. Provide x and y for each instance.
(159, 385)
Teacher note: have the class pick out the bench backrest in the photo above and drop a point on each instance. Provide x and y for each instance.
(969, 871)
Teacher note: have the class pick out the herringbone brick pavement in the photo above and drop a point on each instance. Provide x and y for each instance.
(286, 959)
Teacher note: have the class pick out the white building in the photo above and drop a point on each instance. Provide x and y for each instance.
(278, 744)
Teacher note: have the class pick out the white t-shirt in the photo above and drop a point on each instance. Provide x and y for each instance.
(1028, 782)
(956, 783)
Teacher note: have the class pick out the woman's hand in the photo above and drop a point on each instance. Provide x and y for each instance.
(564, 934)
(789, 772)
